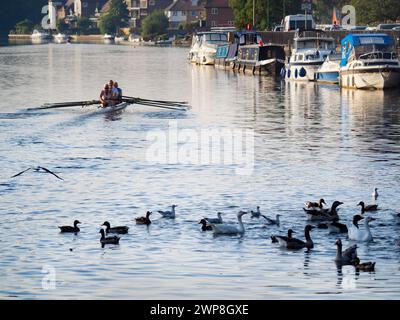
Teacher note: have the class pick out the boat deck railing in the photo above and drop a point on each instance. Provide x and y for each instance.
(376, 55)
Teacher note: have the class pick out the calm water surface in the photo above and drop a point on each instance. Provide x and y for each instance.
(310, 142)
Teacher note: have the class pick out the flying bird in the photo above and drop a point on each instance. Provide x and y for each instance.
(37, 169)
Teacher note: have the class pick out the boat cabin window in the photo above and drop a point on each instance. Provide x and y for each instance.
(250, 38)
(214, 37)
(374, 51)
(315, 44)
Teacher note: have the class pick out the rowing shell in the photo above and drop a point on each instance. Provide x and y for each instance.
(117, 107)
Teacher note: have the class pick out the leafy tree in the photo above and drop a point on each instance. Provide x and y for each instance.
(154, 25)
(116, 17)
(62, 26)
(24, 27)
(83, 24)
(368, 11)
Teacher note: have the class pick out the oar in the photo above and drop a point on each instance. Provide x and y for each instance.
(159, 106)
(159, 101)
(66, 104)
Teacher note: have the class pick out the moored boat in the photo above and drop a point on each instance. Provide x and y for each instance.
(329, 70)
(369, 61)
(61, 38)
(310, 49)
(40, 35)
(207, 47)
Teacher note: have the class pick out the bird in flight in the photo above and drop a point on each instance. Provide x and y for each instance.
(38, 169)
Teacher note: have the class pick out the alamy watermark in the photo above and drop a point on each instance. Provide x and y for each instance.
(202, 147)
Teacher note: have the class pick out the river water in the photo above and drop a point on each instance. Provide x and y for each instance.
(299, 142)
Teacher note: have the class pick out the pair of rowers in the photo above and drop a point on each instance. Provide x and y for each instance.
(111, 94)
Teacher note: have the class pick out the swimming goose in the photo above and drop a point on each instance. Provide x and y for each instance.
(169, 214)
(293, 243)
(336, 227)
(323, 214)
(215, 220)
(205, 226)
(315, 205)
(71, 229)
(255, 214)
(366, 266)
(228, 228)
(360, 235)
(120, 229)
(365, 208)
(375, 194)
(37, 169)
(108, 240)
(348, 256)
(272, 221)
(144, 220)
(289, 236)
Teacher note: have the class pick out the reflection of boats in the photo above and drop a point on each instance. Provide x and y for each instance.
(369, 61)
(40, 35)
(61, 38)
(310, 49)
(328, 72)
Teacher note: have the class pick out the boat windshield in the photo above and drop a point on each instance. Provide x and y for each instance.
(316, 44)
(214, 37)
(375, 51)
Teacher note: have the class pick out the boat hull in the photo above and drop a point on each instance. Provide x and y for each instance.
(117, 107)
(370, 78)
(301, 72)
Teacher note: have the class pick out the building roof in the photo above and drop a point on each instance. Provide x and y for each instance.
(184, 5)
(217, 4)
(105, 7)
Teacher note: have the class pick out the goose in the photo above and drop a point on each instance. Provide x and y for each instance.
(336, 227)
(365, 208)
(37, 169)
(215, 220)
(375, 194)
(255, 214)
(271, 221)
(293, 243)
(169, 214)
(205, 226)
(366, 266)
(324, 214)
(144, 220)
(360, 235)
(108, 240)
(315, 205)
(224, 228)
(289, 236)
(71, 229)
(346, 257)
(120, 229)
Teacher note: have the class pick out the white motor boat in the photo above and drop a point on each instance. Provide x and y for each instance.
(60, 38)
(108, 38)
(40, 35)
(369, 61)
(310, 49)
(207, 48)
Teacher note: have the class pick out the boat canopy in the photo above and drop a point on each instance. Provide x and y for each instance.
(369, 41)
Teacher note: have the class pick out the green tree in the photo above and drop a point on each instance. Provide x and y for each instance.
(62, 26)
(154, 25)
(267, 12)
(368, 11)
(116, 17)
(83, 24)
(24, 27)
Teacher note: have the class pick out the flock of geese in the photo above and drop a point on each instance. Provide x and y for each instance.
(327, 218)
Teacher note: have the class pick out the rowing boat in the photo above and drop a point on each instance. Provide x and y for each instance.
(116, 107)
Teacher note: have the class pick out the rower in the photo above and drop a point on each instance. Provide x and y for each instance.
(105, 96)
(117, 93)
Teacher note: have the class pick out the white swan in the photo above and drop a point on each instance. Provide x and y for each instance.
(255, 214)
(215, 220)
(272, 221)
(360, 235)
(169, 214)
(229, 228)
